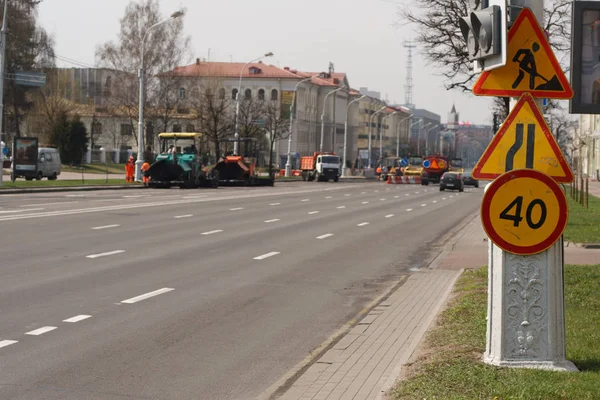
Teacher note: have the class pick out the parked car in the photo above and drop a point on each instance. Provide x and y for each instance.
(468, 179)
(453, 181)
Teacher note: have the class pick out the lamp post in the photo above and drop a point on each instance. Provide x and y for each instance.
(370, 130)
(346, 133)
(288, 164)
(323, 115)
(398, 135)
(419, 138)
(427, 139)
(2, 55)
(142, 73)
(381, 135)
(236, 145)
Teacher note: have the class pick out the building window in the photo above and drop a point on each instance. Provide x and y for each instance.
(176, 128)
(190, 128)
(234, 94)
(96, 129)
(247, 94)
(254, 71)
(274, 94)
(261, 94)
(221, 93)
(126, 130)
(181, 93)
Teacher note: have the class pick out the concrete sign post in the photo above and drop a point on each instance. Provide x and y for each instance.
(524, 209)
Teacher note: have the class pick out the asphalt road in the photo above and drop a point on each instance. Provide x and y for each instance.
(198, 294)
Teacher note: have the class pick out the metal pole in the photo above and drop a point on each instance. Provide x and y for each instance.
(381, 135)
(2, 57)
(323, 116)
(398, 135)
(370, 130)
(288, 164)
(346, 135)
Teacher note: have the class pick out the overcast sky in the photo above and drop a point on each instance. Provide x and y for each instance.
(360, 38)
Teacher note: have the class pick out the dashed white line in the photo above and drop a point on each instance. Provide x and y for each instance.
(451, 195)
(365, 202)
(347, 195)
(4, 343)
(106, 226)
(382, 199)
(110, 253)
(212, 232)
(272, 220)
(18, 211)
(416, 192)
(363, 224)
(435, 201)
(305, 200)
(312, 212)
(363, 192)
(376, 191)
(407, 194)
(77, 318)
(329, 197)
(409, 209)
(236, 209)
(325, 236)
(271, 254)
(389, 215)
(41, 331)
(396, 197)
(443, 198)
(147, 295)
(195, 197)
(423, 205)
(135, 196)
(340, 207)
(274, 204)
(49, 204)
(183, 216)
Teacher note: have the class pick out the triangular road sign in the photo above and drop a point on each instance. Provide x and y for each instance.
(523, 141)
(531, 66)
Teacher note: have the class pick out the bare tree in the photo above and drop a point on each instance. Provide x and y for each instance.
(212, 110)
(252, 111)
(165, 48)
(277, 128)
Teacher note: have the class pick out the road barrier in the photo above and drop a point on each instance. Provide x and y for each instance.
(398, 180)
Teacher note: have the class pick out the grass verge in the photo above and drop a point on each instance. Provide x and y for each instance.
(96, 168)
(584, 223)
(450, 367)
(21, 184)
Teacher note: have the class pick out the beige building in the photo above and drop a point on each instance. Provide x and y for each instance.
(586, 147)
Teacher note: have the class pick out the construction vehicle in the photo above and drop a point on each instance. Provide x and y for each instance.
(414, 167)
(434, 167)
(320, 167)
(178, 163)
(241, 170)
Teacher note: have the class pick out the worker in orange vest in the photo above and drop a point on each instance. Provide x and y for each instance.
(145, 167)
(129, 169)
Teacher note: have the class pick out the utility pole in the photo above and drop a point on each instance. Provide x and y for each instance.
(2, 63)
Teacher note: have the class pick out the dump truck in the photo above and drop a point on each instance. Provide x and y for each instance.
(320, 167)
(237, 170)
(178, 163)
(434, 167)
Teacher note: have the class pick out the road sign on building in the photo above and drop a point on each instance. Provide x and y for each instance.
(524, 211)
(523, 141)
(531, 66)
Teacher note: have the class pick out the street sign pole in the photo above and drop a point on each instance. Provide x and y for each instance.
(525, 319)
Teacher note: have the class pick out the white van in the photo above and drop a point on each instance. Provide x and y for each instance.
(48, 163)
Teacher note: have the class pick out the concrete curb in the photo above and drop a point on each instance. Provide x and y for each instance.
(67, 189)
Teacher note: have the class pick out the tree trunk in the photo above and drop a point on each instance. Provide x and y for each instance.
(16, 117)
(272, 144)
(217, 149)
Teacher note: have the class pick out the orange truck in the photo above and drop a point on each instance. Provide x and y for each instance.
(320, 167)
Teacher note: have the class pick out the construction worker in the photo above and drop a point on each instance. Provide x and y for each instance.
(145, 167)
(129, 169)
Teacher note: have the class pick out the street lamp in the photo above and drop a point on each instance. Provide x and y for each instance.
(381, 135)
(142, 72)
(370, 130)
(323, 115)
(419, 137)
(346, 133)
(236, 145)
(398, 135)
(427, 138)
(288, 164)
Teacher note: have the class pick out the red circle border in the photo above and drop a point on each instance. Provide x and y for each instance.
(493, 189)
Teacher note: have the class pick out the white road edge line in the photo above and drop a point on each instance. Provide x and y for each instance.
(272, 220)
(325, 236)
(363, 224)
(313, 212)
(274, 204)
(110, 253)
(271, 254)
(106, 226)
(236, 209)
(4, 343)
(183, 216)
(389, 215)
(147, 295)
(20, 211)
(41, 331)
(211, 232)
(77, 318)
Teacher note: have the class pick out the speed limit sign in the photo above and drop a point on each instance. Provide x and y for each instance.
(524, 211)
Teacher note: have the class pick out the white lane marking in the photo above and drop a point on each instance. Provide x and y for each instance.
(416, 192)
(147, 295)
(389, 215)
(451, 195)
(376, 191)
(325, 236)
(396, 197)
(50, 204)
(363, 224)
(387, 189)
(212, 232)
(329, 197)
(365, 202)
(195, 197)
(305, 199)
(313, 212)
(4, 343)
(423, 205)
(382, 199)
(110, 253)
(77, 318)
(340, 207)
(443, 198)
(272, 220)
(407, 194)
(106, 226)
(435, 201)
(183, 216)
(41, 331)
(135, 196)
(274, 204)
(17, 211)
(75, 195)
(363, 192)
(347, 195)
(409, 209)
(271, 254)
(236, 209)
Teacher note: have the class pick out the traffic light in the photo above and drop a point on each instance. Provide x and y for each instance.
(484, 30)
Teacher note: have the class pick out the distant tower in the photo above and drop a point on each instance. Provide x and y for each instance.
(408, 85)
(453, 118)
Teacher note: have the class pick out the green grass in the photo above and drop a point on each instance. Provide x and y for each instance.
(96, 168)
(63, 183)
(584, 224)
(451, 368)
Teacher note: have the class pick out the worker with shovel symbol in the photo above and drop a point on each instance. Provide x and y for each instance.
(526, 60)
